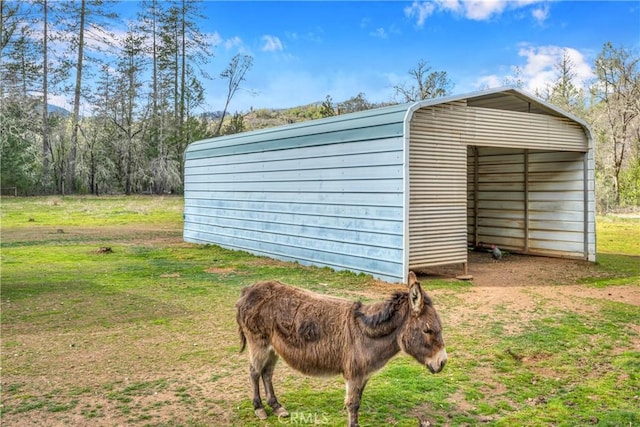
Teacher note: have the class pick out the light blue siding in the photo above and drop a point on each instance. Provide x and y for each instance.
(327, 193)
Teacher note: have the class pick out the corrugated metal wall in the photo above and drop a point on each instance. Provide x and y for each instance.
(500, 128)
(525, 199)
(530, 201)
(496, 203)
(338, 205)
(438, 186)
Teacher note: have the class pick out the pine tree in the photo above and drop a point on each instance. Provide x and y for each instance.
(182, 51)
(86, 15)
(563, 92)
(128, 117)
(19, 104)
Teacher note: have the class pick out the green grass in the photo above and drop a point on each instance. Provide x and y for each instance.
(146, 334)
(618, 235)
(618, 257)
(89, 211)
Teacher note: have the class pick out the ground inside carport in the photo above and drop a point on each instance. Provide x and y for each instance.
(520, 283)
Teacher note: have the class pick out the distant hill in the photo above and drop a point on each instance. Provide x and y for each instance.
(54, 109)
(212, 115)
(270, 117)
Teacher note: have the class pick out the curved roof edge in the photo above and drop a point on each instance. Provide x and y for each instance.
(493, 91)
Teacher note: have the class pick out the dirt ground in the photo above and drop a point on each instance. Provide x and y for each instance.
(522, 285)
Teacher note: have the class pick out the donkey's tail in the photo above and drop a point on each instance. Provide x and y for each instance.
(243, 340)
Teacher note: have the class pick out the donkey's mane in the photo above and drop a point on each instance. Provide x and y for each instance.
(389, 309)
(388, 317)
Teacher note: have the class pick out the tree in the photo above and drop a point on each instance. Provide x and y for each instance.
(357, 103)
(427, 84)
(182, 50)
(563, 91)
(76, 98)
(235, 125)
(8, 24)
(45, 93)
(19, 105)
(127, 116)
(326, 109)
(91, 20)
(235, 75)
(515, 79)
(149, 19)
(97, 164)
(617, 114)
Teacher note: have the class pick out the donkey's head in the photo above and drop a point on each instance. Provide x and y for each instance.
(421, 336)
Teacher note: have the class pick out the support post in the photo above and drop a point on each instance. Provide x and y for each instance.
(526, 200)
(465, 272)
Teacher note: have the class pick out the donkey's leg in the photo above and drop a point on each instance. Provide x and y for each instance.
(258, 358)
(257, 401)
(267, 378)
(355, 387)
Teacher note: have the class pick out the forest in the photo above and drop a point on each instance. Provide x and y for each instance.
(138, 100)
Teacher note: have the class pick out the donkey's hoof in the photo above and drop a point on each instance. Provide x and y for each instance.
(261, 413)
(281, 412)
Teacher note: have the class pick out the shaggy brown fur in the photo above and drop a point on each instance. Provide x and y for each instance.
(321, 335)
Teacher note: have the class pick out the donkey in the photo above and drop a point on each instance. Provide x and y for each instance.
(322, 335)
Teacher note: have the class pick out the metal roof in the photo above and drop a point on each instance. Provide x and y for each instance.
(374, 123)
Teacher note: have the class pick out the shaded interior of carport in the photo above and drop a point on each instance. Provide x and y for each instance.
(499, 168)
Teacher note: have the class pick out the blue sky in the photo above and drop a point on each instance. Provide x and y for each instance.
(304, 51)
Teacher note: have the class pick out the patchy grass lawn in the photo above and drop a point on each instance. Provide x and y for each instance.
(144, 334)
(618, 235)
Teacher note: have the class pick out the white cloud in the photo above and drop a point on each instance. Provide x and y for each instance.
(233, 42)
(106, 42)
(380, 33)
(455, 6)
(310, 36)
(540, 14)
(480, 10)
(271, 44)
(420, 10)
(477, 10)
(214, 38)
(488, 81)
(540, 68)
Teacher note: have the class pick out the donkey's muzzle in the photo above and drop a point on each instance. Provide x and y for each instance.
(435, 370)
(437, 363)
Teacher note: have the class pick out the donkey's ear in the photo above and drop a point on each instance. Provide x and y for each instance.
(415, 293)
(411, 279)
(415, 298)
